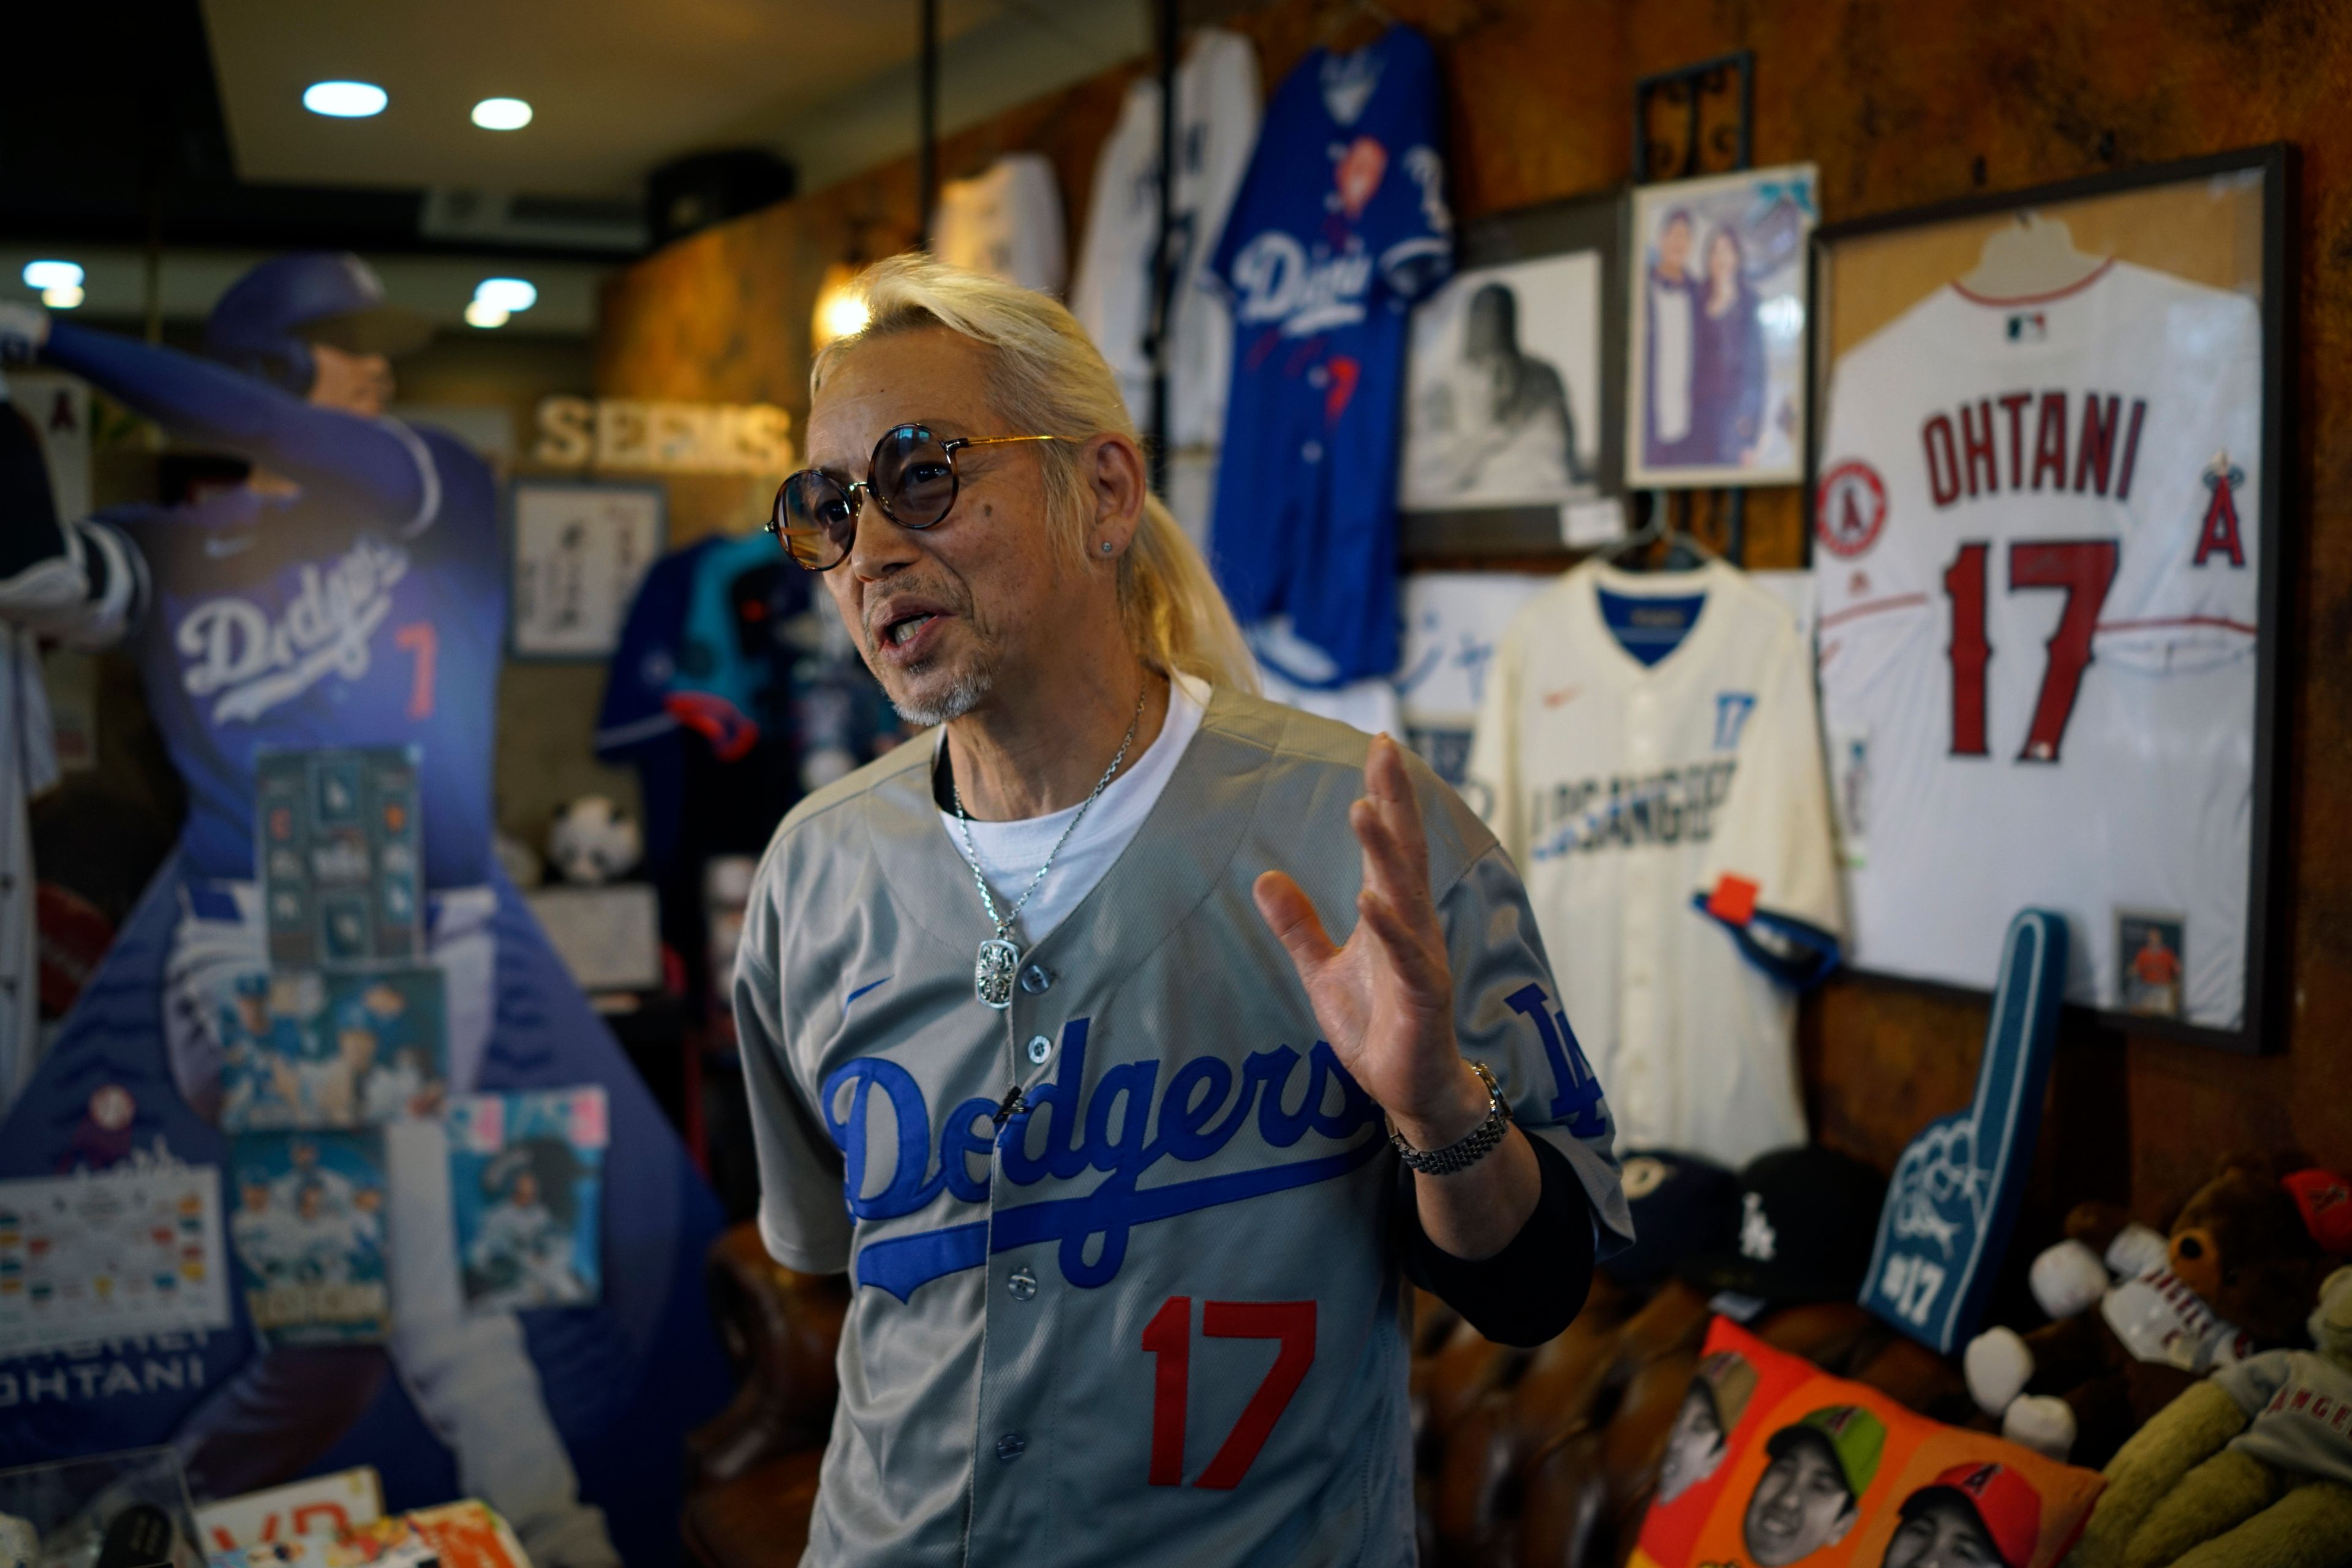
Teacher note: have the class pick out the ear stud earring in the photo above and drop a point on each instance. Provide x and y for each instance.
(1106, 543)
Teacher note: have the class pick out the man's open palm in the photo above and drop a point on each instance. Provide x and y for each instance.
(1385, 1000)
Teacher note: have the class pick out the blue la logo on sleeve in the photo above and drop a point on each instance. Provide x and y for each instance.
(1954, 1193)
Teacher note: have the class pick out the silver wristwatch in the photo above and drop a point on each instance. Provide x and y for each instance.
(1471, 1147)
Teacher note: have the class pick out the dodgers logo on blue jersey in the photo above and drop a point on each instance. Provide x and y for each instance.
(1126, 1127)
(235, 649)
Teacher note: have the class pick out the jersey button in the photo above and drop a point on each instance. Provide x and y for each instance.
(1011, 1446)
(1034, 981)
(1022, 1283)
(1040, 1047)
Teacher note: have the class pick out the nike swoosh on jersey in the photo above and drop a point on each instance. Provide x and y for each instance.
(1563, 697)
(861, 991)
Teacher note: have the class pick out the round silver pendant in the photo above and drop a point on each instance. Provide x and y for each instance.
(994, 970)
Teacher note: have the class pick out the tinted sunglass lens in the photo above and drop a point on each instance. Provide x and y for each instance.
(915, 474)
(816, 519)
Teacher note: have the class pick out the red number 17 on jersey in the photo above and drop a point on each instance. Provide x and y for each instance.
(1169, 1338)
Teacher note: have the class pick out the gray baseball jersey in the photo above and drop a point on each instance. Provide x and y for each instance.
(1159, 1319)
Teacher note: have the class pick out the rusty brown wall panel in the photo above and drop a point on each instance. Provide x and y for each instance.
(1900, 104)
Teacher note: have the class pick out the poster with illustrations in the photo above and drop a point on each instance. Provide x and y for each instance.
(526, 1174)
(308, 1223)
(307, 1048)
(124, 1252)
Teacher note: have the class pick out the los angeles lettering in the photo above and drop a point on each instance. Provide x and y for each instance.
(1669, 806)
(2069, 442)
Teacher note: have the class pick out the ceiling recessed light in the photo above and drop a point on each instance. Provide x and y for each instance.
(482, 314)
(502, 114)
(61, 296)
(505, 294)
(344, 99)
(53, 275)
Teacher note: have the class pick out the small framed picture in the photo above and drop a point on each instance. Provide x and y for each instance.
(1511, 438)
(580, 550)
(1715, 363)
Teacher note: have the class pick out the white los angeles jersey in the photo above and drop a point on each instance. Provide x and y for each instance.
(1007, 223)
(1217, 127)
(1672, 825)
(2037, 525)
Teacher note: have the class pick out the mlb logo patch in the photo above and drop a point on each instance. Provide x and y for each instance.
(2151, 962)
(2027, 327)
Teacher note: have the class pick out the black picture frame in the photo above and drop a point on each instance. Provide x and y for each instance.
(2264, 963)
(1468, 535)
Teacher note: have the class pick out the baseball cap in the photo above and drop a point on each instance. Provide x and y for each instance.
(253, 985)
(1805, 1224)
(326, 297)
(1682, 1204)
(2004, 1502)
(1729, 1379)
(1853, 1436)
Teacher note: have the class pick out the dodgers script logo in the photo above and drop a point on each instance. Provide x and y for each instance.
(1126, 1127)
(234, 649)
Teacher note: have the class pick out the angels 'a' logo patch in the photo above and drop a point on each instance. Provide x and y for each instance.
(1850, 508)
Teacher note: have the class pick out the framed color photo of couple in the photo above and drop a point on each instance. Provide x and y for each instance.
(1716, 369)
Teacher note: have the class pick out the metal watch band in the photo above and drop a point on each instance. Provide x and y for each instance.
(1469, 1149)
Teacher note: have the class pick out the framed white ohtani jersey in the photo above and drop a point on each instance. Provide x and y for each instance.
(2045, 514)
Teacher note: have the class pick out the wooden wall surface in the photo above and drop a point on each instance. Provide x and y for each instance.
(1900, 105)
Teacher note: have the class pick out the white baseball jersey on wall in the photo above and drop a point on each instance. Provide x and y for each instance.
(1649, 754)
(1217, 101)
(2037, 526)
(1006, 222)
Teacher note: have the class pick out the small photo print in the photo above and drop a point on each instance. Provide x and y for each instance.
(306, 1221)
(1504, 406)
(312, 1050)
(2152, 963)
(1715, 363)
(526, 1175)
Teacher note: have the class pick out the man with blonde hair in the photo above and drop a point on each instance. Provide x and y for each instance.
(1047, 1043)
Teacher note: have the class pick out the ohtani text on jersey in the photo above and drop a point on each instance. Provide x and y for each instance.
(1673, 805)
(2048, 446)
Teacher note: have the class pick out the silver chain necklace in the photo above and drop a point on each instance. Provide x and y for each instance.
(999, 960)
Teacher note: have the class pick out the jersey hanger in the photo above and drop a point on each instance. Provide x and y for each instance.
(2030, 258)
(1684, 552)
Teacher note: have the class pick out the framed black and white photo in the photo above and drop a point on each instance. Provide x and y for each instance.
(580, 550)
(2046, 551)
(1511, 441)
(1716, 362)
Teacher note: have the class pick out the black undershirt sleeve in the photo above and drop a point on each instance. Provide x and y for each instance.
(1533, 1288)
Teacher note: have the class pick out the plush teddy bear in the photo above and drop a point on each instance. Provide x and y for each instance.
(2252, 1466)
(2232, 1277)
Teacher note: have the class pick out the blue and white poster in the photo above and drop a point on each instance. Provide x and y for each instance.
(307, 1227)
(526, 1174)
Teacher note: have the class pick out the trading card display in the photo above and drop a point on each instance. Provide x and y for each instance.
(341, 855)
(526, 1173)
(309, 1225)
(332, 1049)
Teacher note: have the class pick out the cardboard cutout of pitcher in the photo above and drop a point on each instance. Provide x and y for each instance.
(350, 594)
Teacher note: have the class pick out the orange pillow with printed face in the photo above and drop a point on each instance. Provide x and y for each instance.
(1772, 1463)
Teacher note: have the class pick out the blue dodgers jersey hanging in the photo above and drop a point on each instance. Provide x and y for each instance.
(1339, 227)
(1954, 1196)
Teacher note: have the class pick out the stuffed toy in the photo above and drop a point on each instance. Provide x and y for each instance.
(2252, 1466)
(2234, 1277)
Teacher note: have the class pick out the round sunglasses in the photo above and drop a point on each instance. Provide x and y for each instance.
(911, 477)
